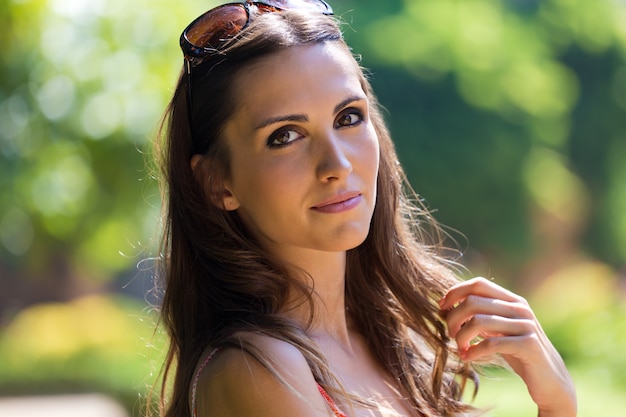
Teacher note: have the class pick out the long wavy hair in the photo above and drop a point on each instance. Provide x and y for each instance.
(220, 285)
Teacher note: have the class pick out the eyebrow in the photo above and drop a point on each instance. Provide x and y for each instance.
(287, 118)
(303, 117)
(347, 101)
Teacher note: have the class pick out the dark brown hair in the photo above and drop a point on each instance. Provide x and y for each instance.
(219, 282)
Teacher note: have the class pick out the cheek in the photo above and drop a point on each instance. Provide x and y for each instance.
(262, 185)
(371, 154)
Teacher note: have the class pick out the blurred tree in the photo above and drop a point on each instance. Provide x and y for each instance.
(82, 87)
(501, 109)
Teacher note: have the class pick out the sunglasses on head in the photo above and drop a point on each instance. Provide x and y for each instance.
(208, 32)
(204, 36)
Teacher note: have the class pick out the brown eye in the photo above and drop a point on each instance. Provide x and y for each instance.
(283, 137)
(351, 117)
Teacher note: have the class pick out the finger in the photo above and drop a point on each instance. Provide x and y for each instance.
(521, 347)
(474, 305)
(476, 286)
(487, 326)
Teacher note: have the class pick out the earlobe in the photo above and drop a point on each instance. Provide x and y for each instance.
(229, 201)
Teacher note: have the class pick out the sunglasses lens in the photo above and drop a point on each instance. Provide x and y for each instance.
(218, 24)
(266, 8)
(310, 5)
(223, 22)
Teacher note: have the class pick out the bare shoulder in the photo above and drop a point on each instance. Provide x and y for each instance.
(234, 383)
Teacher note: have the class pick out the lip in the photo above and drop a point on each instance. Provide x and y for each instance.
(339, 202)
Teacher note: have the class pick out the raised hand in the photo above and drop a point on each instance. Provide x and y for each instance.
(486, 319)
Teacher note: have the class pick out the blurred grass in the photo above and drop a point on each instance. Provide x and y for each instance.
(107, 343)
(506, 396)
(96, 343)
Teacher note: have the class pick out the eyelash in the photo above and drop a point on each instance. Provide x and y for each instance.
(273, 140)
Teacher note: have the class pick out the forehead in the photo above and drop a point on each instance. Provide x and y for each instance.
(298, 76)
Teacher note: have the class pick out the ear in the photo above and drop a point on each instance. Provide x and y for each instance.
(195, 160)
(227, 198)
(223, 196)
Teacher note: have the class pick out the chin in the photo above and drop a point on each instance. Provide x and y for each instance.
(349, 242)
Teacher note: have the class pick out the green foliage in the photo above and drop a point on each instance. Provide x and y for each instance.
(82, 89)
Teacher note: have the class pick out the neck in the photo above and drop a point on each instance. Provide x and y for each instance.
(326, 272)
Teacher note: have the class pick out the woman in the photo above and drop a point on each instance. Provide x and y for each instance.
(298, 277)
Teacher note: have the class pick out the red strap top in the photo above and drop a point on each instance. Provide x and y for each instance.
(194, 386)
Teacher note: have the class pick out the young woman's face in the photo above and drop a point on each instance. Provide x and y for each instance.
(304, 153)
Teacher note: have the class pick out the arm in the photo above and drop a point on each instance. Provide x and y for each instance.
(506, 325)
(235, 384)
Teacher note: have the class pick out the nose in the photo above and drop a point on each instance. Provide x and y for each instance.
(334, 162)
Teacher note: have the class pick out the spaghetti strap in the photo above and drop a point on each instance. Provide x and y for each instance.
(194, 388)
(336, 411)
(194, 385)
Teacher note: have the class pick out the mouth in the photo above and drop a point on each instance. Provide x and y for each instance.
(340, 202)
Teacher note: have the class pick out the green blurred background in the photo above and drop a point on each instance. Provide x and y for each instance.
(509, 117)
